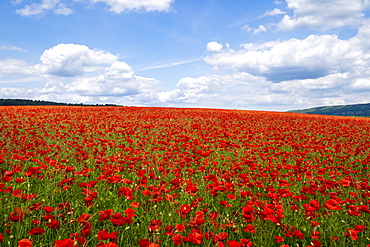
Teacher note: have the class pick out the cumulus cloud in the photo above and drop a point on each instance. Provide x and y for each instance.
(295, 73)
(313, 57)
(117, 80)
(239, 90)
(76, 73)
(323, 15)
(119, 6)
(43, 7)
(73, 60)
(15, 68)
(214, 47)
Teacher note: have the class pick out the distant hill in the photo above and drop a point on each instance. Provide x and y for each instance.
(16, 102)
(358, 110)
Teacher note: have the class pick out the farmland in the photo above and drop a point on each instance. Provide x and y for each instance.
(137, 176)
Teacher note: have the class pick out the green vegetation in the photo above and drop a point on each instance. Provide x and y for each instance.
(15, 102)
(358, 110)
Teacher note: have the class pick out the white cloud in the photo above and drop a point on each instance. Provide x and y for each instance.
(41, 8)
(313, 57)
(15, 68)
(214, 47)
(273, 12)
(10, 48)
(62, 10)
(119, 6)
(76, 73)
(260, 29)
(239, 90)
(323, 15)
(116, 6)
(276, 75)
(73, 60)
(362, 84)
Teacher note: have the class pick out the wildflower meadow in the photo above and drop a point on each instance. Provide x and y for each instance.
(149, 177)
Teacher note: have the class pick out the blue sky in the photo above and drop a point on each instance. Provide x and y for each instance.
(258, 55)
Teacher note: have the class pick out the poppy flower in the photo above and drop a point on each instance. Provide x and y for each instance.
(25, 243)
(64, 243)
(144, 242)
(130, 212)
(176, 240)
(184, 210)
(233, 243)
(48, 210)
(194, 237)
(353, 234)
(360, 228)
(249, 228)
(54, 224)
(220, 237)
(316, 243)
(332, 204)
(105, 214)
(315, 234)
(314, 223)
(36, 231)
(103, 235)
(17, 215)
(84, 218)
(180, 228)
(278, 239)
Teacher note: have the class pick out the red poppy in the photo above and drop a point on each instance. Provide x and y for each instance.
(144, 242)
(25, 243)
(84, 218)
(177, 240)
(134, 204)
(64, 243)
(233, 243)
(54, 224)
(17, 215)
(332, 204)
(278, 239)
(316, 243)
(110, 244)
(194, 237)
(180, 228)
(36, 231)
(360, 228)
(103, 235)
(353, 234)
(130, 212)
(315, 234)
(105, 214)
(184, 210)
(314, 223)
(220, 237)
(249, 228)
(119, 220)
(48, 210)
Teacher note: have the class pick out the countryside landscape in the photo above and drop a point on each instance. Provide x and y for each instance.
(165, 123)
(143, 176)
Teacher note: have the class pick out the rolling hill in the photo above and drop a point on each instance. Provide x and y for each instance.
(357, 110)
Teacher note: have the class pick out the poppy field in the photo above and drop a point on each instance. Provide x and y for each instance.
(140, 176)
